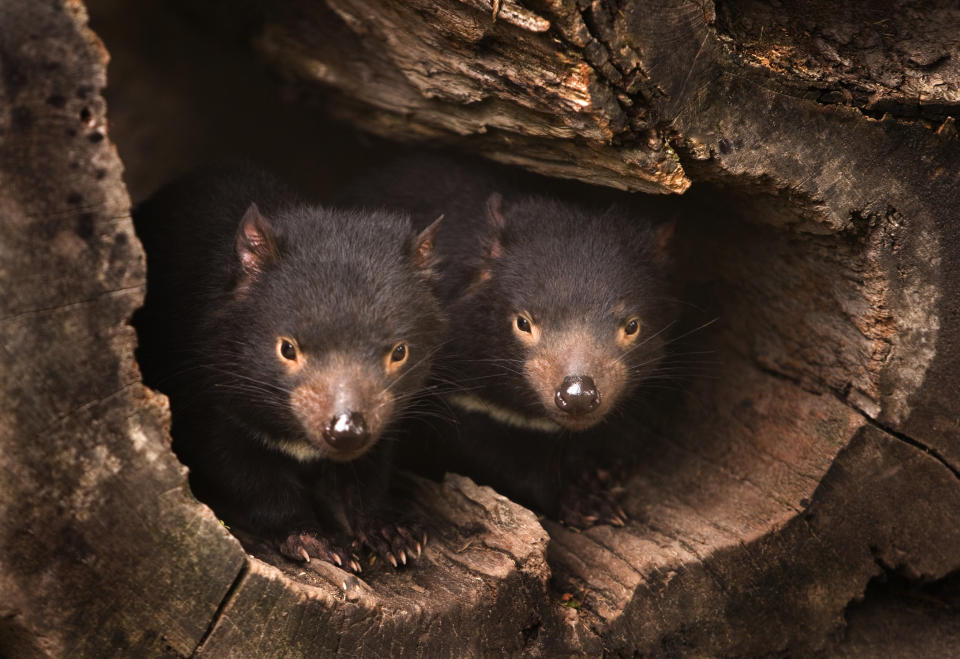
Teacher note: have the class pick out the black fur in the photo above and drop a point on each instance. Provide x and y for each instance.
(561, 261)
(342, 282)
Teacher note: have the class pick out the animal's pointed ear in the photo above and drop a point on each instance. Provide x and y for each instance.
(256, 244)
(425, 255)
(662, 239)
(496, 222)
(493, 248)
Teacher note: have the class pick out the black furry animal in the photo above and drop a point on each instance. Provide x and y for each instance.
(288, 338)
(559, 311)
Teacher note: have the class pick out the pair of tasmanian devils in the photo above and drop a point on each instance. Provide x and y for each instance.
(497, 341)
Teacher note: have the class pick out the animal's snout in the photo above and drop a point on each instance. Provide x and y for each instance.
(347, 431)
(577, 395)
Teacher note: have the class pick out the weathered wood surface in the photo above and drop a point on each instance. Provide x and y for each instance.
(103, 551)
(479, 589)
(823, 451)
(822, 146)
(522, 84)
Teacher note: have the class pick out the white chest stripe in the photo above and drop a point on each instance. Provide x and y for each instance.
(502, 414)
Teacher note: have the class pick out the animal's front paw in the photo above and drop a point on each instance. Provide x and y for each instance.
(393, 540)
(304, 545)
(593, 498)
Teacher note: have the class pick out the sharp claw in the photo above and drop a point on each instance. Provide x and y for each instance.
(419, 549)
(403, 556)
(424, 538)
(337, 560)
(622, 513)
(392, 559)
(355, 567)
(306, 556)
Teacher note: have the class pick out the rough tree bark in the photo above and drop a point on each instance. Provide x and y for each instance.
(826, 452)
(820, 166)
(102, 549)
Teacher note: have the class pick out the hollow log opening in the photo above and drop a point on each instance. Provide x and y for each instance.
(811, 161)
(734, 472)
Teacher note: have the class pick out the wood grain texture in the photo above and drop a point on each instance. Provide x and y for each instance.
(479, 589)
(820, 167)
(509, 89)
(824, 156)
(103, 550)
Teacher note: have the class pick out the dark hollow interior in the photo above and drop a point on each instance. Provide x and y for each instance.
(798, 325)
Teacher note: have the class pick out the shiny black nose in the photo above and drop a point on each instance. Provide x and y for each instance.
(577, 395)
(346, 432)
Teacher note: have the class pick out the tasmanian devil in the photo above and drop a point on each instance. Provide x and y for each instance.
(288, 337)
(559, 313)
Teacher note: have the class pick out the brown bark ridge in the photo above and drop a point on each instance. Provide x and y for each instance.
(822, 144)
(103, 551)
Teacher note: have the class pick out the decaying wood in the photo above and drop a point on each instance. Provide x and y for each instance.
(824, 145)
(820, 166)
(478, 589)
(104, 551)
(94, 511)
(423, 69)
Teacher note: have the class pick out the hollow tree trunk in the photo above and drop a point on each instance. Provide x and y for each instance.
(827, 450)
(104, 551)
(820, 156)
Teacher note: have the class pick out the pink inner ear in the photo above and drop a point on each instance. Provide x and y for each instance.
(495, 211)
(251, 232)
(495, 249)
(248, 261)
(663, 236)
(256, 246)
(497, 223)
(424, 253)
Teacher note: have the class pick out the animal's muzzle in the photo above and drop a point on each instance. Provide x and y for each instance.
(577, 395)
(347, 431)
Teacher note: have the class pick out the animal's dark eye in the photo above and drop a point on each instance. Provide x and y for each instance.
(524, 325)
(399, 353)
(288, 350)
(632, 327)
